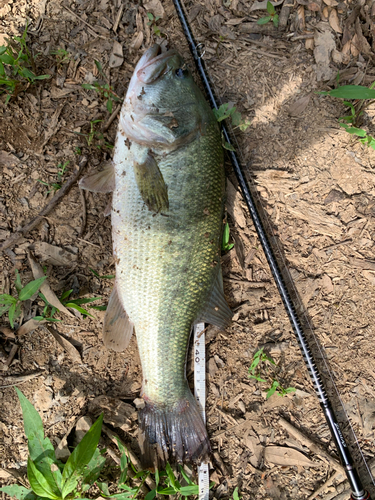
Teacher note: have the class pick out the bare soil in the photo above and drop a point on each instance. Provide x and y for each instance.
(316, 185)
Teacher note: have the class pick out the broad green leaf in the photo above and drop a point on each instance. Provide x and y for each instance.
(2, 70)
(150, 16)
(109, 105)
(157, 477)
(275, 20)
(2, 49)
(236, 496)
(228, 146)
(80, 457)
(31, 288)
(166, 491)
(93, 468)
(66, 294)
(151, 495)
(11, 314)
(20, 492)
(42, 77)
(7, 59)
(4, 309)
(270, 8)
(352, 92)
(171, 476)
(354, 130)
(103, 487)
(189, 490)
(39, 483)
(264, 20)
(27, 74)
(7, 299)
(88, 86)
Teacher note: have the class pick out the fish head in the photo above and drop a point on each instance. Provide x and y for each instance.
(163, 105)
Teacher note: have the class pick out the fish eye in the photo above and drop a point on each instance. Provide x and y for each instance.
(180, 73)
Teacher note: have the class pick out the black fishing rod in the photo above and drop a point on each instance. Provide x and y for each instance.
(358, 492)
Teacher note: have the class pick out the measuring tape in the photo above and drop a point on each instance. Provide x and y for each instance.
(200, 396)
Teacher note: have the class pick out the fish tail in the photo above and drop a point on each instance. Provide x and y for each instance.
(172, 433)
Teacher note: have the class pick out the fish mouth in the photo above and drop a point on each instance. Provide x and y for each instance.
(154, 64)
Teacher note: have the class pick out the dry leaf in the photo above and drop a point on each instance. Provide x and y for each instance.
(8, 332)
(116, 412)
(309, 44)
(46, 290)
(66, 345)
(155, 7)
(253, 444)
(53, 255)
(324, 44)
(315, 5)
(362, 45)
(8, 160)
(29, 326)
(298, 107)
(280, 455)
(337, 57)
(300, 18)
(354, 46)
(233, 204)
(137, 41)
(331, 3)
(116, 58)
(334, 21)
(263, 5)
(325, 14)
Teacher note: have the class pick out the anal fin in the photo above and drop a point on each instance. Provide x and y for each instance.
(117, 328)
(102, 181)
(151, 185)
(216, 310)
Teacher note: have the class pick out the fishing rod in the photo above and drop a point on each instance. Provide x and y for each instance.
(358, 491)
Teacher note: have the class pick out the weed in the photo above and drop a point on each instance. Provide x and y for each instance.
(49, 310)
(236, 496)
(228, 111)
(225, 245)
(103, 89)
(105, 277)
(152, 22)
(50, 479)
(55, 186)
(94, 135)
(13, 305)
(62, 56)
(350, 123)
(259, 364)
(15, 62)
(271, 17)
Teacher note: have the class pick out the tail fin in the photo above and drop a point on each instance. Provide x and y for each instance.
(175, 434)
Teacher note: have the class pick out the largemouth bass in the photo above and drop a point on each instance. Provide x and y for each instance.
(168, 183)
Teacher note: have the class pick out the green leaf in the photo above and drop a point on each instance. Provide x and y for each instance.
(236, 496)
(42, 77)
(66, 294)
(40, 448)
(87, 86)
(275, 20)
(109, 105)
(151, 495)
(7, 59)
(93, 468)
(78, 302)
(166, 491)
(354, 130)
(189, 490)
(351, 92)
(80, 457)
(20, 492)
(258, 378)
(39, 483)
(103, 487)
(7, 299)
(2, 70)
(78, 308)
(171, 476)
(29, 75)
(264, 20)
(272, 390)
(150, 16)
(228, 146)
(31, 288)
(4, 309)
(18, 282)
(270, 8)
(11, 314)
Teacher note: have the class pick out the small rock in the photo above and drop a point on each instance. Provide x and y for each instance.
(139, 403)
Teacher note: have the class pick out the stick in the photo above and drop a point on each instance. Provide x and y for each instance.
(84, 22)
(323, 488)
(11, 241)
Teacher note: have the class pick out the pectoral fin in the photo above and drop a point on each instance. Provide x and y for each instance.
(216, 310)
(151, 185)
(100, 182)
(117, 328)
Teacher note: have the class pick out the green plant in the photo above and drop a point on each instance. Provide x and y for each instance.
(350, 123)
(49, 310)
(236, 495)
(51, 479)
(48, 477)
(16, 60)
(225, 245)
(258, 366)
(103, 89)
(105, 277)
(55, 186)
(271, 17)
(13, 305)
(225, 111)
(62, 56)
(152, 22)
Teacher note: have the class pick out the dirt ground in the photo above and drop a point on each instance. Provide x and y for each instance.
(314, 181)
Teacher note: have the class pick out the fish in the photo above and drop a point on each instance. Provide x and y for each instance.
(168, 182)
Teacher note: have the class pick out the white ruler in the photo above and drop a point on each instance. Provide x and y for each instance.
(200, 395)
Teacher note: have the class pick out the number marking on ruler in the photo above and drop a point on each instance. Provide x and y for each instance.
(200, 395)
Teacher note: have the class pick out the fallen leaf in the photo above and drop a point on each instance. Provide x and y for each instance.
(362, 44)
(334, 21)
(279, 455)
(116, 58)
(66, 345)
(29, 326)
(354, 46)
(51, 254)
(331, 3)
(116, 412)
(46, 290)
(263, 5)
(155, 7)
(8, 332)
(137, 41)
(8, 160)
(324, 44)
(299, 106)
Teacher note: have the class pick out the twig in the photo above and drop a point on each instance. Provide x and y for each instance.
(118, 17)
(12, 353)
(111, 118)
(18, 379)
(315, 448)
(113, 437)
(84, 22)
(11, 241)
